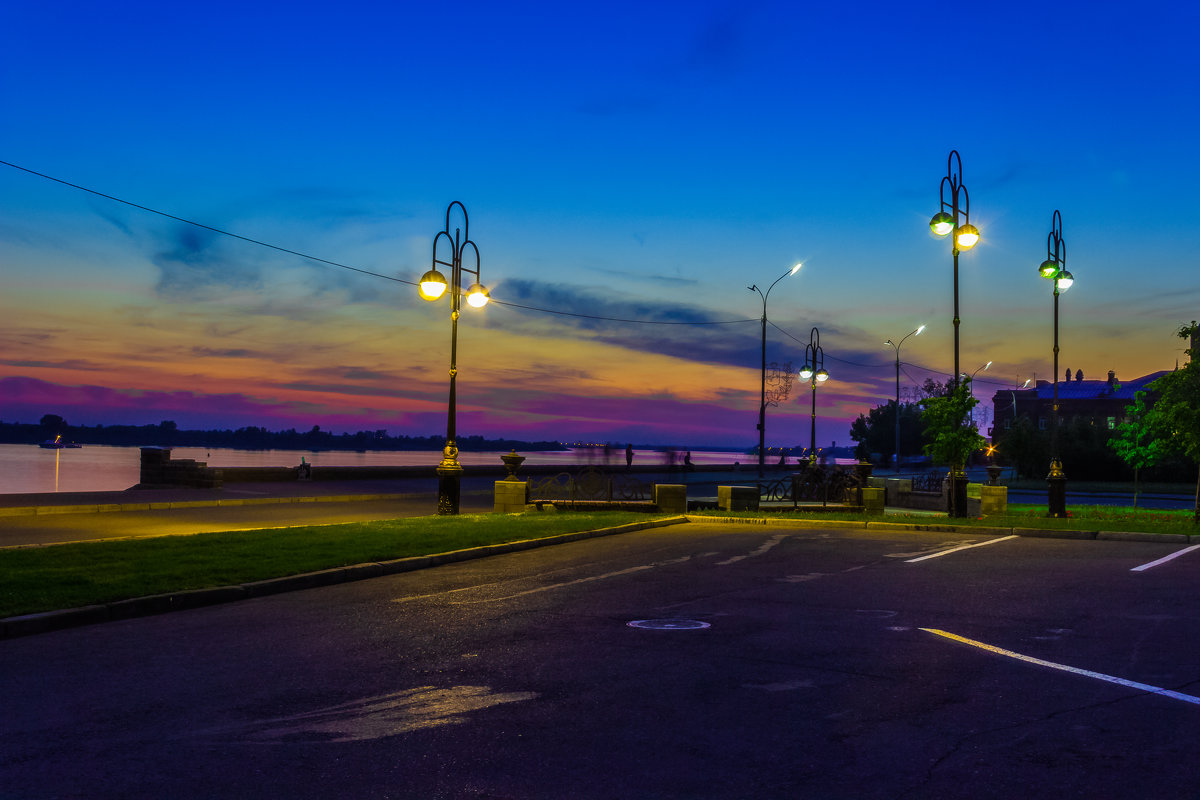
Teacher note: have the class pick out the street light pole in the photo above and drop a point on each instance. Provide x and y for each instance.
(1054, 268)
(917, 332)
(954, 220)
(814, 372)
(432, 286)
(762, 407)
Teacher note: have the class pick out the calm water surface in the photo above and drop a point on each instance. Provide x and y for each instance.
(98, 468)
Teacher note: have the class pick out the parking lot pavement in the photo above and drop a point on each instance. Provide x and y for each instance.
(788, 662)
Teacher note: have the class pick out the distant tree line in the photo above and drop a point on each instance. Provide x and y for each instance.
(168, 434)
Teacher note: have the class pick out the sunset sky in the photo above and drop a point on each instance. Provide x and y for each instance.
(624, 164)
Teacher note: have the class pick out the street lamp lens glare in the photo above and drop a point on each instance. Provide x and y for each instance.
(941, 224)
(1048, 269)
(918, 333)
(822, 376)
(796, 268)
(806, 372)
(967, 236)
(1064, 281)
(433, 285)
(477, 296)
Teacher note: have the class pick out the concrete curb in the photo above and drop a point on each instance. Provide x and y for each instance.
(45, 622)
(943, 527)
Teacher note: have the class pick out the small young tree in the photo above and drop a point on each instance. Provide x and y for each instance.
(1136, 442)
(951, 434)
(1175, 418)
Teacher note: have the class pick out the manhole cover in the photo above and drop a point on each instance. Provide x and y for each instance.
(669, 624)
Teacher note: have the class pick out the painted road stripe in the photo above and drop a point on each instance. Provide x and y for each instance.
(960, 547)
(1165, 559)
(1187, 698)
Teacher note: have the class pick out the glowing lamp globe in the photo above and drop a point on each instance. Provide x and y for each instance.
(941, 224)
(433, 285)
(967, 236)
(477, 296)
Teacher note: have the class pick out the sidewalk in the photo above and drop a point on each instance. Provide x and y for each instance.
(233, 494)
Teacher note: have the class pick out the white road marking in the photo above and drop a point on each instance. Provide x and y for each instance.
(961, 547)
(564, 584)
(767, 545)
(1187, 698)
(1165, 559)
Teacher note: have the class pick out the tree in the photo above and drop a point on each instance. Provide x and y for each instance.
(53, 423)
(1025, 448)
(952, 436)
(1135, 441)
(875, 431)
(1175, 417)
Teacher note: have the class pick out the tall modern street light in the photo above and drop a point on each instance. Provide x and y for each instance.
(1054, 268)
(814, 372)
(954, 220)
(433, 285)
(917, 332)
(762, 408)
(979, 369)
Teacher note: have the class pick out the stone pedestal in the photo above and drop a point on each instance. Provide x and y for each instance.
(510, 497)
(737, 498)
(671, 498)
(872, 500)
(993, 501)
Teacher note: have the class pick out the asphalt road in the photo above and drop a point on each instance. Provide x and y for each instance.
(821, 673)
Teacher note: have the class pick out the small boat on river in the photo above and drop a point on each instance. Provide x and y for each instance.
(58, 444)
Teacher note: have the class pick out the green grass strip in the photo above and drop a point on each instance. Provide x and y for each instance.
(1081, 518)
(63, 576)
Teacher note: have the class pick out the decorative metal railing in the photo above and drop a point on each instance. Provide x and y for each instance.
(590, 484)
(931, 481)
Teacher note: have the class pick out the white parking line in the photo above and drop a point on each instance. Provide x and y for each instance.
(960, 547)
(1187, 698)
(1165, 559)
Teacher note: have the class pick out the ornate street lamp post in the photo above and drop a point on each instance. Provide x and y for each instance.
(762, 408)
(954, 220)
(1054, 269)
(814, 372)
(917, 332)
(433, 285)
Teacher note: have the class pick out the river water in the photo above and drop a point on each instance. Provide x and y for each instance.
(99, 468)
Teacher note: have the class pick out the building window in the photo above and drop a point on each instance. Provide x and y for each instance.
(1008, 424)
(1041, 423)
(1112, 423)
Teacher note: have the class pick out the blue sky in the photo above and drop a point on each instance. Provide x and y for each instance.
(627, 160)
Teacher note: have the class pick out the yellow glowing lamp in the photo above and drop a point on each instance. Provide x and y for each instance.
(433, 285)
(822, 375)
(477, 296)
(806, 372)
(941, 224)
(1064, 281)
(966, 237)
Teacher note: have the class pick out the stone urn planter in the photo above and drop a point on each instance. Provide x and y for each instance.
(512, 462)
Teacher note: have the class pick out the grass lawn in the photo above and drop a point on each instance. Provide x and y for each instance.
(1081, 518)
(34, 579)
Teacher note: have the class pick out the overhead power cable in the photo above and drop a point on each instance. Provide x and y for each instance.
(347, 266)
